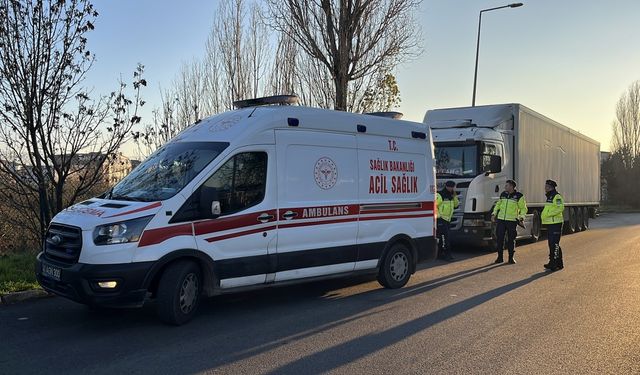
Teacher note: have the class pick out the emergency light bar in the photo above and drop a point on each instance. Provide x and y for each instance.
(267, 100)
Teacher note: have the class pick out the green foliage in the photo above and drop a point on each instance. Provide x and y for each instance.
(621, 180)
(383, 96)
(17, 272)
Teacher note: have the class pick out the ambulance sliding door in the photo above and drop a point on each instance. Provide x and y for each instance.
(317, 203)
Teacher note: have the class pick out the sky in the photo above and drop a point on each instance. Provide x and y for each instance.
(568, 60)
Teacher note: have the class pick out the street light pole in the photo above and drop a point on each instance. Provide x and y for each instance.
(475, 74)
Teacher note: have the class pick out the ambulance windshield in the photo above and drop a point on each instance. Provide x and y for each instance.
(456, 160)
(167, 171)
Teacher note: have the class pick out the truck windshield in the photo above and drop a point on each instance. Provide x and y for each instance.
(163, 174)
(456, 160)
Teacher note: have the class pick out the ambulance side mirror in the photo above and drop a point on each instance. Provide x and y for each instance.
(216, 210)
(209, 207)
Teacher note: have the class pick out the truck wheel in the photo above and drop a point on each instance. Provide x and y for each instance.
(579, 219)
(585, 216)
(492, 244)
(396, 267)
(536, 226)
(179, 292)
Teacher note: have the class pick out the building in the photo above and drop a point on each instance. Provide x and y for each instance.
(114, 167)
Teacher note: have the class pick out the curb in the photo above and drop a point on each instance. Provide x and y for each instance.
(26, 295)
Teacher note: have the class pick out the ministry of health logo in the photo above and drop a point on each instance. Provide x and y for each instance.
(326, 173)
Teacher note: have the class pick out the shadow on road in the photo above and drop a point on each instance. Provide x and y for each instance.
(227, 330)
(362, 346)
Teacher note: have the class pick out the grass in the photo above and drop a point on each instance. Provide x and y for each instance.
(17, 272)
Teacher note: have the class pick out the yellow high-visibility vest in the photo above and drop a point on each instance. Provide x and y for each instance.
(510, 207)
(553, 208)
(446, 202)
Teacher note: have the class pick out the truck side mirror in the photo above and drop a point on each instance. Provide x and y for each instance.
(494, 165)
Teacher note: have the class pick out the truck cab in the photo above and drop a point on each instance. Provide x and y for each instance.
(477, 154)
(476, 159)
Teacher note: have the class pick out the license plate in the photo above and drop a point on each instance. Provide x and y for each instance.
(51, 271)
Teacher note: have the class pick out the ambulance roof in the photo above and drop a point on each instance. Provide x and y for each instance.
(259, 122)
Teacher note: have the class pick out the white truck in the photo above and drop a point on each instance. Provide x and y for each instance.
(259, 196)
(481, 147)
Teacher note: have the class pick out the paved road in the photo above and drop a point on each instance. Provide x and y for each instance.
(467, 317)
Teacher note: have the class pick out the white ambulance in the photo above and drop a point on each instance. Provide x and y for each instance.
(262, 195)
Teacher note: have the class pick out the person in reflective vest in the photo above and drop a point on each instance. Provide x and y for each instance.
(552, 218)
(446, 202)
(509, 212)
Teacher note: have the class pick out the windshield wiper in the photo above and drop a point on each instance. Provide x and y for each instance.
(108, 194)
(127, 198)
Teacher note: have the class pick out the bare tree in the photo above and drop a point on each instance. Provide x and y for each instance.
(256, 47)
(241, 41)
(47, 120)
(626, 127)
(284, 74)
(234, 67)
(350, 38)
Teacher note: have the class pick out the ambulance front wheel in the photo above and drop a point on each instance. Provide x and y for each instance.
(179, 292)
(395, 270)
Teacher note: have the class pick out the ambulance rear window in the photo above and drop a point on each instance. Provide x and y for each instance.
(167, 171)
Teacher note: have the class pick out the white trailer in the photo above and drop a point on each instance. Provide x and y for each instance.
(481, 147)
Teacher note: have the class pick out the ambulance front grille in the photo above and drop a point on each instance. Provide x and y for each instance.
(63, 243)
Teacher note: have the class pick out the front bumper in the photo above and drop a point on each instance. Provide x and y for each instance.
(79, 282)
(477, 235)
(480, 236)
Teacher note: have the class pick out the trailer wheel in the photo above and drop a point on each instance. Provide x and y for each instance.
(395, 270)
(569, 226)
(536, 226)
(579, 219)
(179, 292)
(585, 216)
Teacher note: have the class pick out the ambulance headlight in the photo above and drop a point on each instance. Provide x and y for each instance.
(122, 232)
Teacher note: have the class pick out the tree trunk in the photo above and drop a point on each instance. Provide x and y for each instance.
(342, 91)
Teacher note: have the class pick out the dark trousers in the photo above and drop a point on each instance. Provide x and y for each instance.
(507, 228)
(554, 232)
(444, 247)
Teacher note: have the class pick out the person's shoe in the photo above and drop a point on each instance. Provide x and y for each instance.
(553, 265)
(500, 259)
(449, 258)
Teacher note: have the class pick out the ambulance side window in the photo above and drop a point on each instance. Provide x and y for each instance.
(238, 184)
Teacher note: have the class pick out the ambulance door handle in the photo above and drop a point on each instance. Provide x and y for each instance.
(265, 217)
(289, 215)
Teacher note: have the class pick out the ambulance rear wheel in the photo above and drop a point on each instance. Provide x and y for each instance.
(179, 292)
(395, 270)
